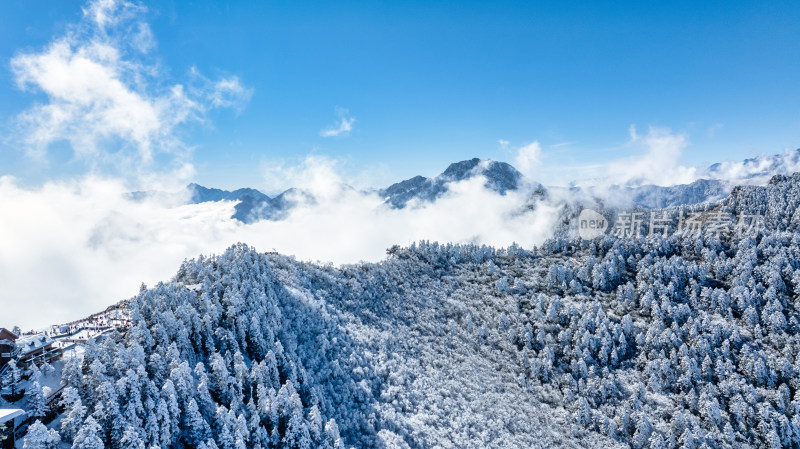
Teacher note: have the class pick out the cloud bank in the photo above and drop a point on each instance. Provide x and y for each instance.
(76, 247)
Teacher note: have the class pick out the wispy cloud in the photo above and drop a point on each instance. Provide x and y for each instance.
(343, 128)
(657, 160)
(562, 144)
(659, 163)
(318, 175)
(108, 13)
(713, 129)
(224, 92)
(102, 97)
(230, 93)
(528, 158)
(503, 143)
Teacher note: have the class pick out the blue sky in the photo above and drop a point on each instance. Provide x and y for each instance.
(424, 84)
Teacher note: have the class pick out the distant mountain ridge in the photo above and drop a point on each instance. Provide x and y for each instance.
(252, 205)
(759, 168)
(501, 178)
(659, 197)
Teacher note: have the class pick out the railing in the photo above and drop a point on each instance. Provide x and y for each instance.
(98, 331)
(47, 355)
(54, 398)
(53, 402)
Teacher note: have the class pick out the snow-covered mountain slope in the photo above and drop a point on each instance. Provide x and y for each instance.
(252, 205)
(778, 202)
(613, 343)
(659, 197)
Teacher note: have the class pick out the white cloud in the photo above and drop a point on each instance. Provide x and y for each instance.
(79, 246)
(528, 159)
(104, 13)
(230, 93)
(322, 174)
(656, 159)
(103, 99)
(503, 143)
(90, 104)
(658, 163)
(143, 39)
(343, 128)
(315, 174)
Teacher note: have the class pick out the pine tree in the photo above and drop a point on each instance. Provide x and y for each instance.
(197, 429)
(131, 439)
(88, 436)
(71, 373)
(315, 422)
(165, 434)
(13, 377)
(331, 439)
(297, 435)
(583, 414)
(657, 441)
(37, 401)
(74, 413)
(643, 431)
(169, 398)
(40, 437)
(687, 439)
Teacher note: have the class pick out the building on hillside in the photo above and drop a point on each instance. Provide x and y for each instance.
(10, 418)
(36, 349)
(8, 347)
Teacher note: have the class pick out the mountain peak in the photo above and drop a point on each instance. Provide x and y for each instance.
(460, 170)
(246, 196)
(500, 177)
